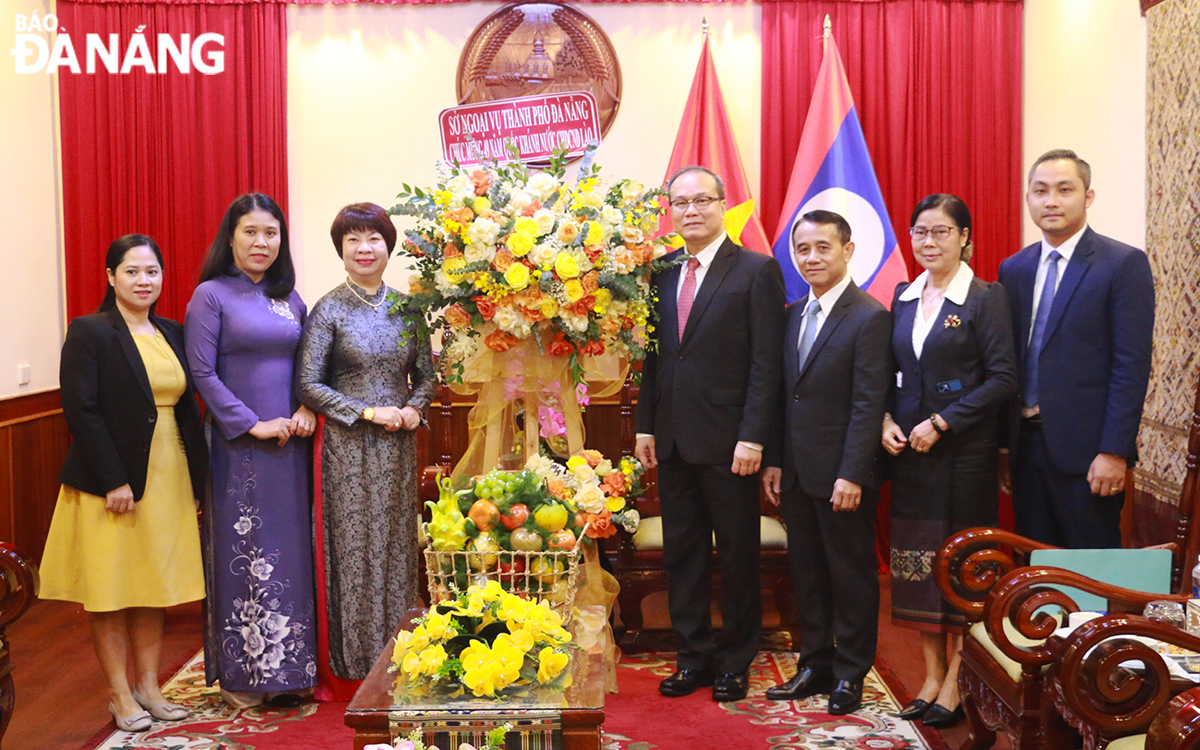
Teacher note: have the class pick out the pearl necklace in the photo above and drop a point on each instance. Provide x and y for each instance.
(365, 301)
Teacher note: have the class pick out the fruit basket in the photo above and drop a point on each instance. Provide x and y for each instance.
(550, 575)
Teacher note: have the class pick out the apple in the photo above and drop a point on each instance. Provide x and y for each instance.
(515, 516)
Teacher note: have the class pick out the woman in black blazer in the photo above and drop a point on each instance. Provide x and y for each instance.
(124, 541)
(952, 343)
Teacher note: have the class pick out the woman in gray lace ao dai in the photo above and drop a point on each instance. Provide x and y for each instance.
(372, 377)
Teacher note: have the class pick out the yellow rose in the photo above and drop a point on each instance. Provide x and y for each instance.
(568, 232)
(574, 462)
(614, 503)
(566, 266)
(453, 268)
(603, 297)
(519, 244)
(595, 234)
(526, 225)
(517, 276)
(549, 307)
(481, 204)
(574, 290)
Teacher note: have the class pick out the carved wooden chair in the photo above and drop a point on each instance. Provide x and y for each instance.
(971, 563)
(18, 589)
(638, 564)
(1113, 706)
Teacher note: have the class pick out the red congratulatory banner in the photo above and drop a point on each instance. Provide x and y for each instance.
(536, 124)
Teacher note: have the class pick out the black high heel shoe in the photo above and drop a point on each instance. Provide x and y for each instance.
(940, 717)
(915, 709)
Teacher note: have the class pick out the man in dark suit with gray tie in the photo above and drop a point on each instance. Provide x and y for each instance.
(824, 462)
(705, 408)
(1082, 307)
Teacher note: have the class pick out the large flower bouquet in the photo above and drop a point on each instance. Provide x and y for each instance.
(488, 642)
(504, 255)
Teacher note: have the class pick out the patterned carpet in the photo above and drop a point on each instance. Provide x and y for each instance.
(637, 718)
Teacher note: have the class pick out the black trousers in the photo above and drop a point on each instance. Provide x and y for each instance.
(836, 581)
(1055, 507)
(699, 501)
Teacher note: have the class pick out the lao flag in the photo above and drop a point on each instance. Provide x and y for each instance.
(833, 172)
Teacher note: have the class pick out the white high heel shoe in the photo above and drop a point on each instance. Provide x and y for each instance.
(162, 711)
(138, 722)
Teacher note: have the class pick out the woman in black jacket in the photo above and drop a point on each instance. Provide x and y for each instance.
(124, 541)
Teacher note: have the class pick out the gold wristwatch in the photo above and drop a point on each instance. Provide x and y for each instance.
(369, 413)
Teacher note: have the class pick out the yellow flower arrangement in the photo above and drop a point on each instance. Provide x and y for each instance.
(556, 232)
(487, 643)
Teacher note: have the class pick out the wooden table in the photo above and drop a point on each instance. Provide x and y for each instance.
(376, 717)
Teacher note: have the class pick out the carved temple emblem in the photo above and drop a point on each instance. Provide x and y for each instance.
(529, 48)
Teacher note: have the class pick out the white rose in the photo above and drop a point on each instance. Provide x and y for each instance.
(578, 322)
(632, 234)
(611, 214)
(629, 520)
(443, 282)
(585, 474)
(483, 230)
(545, 220)
(541, 185)
(543, 255)
(509, 320)
(461, 186)
(590, 497)
(518, 201)
(477, 251)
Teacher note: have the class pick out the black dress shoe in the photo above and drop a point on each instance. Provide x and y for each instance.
(845, 698)
(685, 682)
(940, 717)
(731, 686)
(807, 683)
(915, 709)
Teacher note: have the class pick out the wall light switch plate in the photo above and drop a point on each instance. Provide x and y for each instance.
(23, 375)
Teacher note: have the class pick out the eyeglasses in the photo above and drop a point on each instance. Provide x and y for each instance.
(701, 203)
(939, 232)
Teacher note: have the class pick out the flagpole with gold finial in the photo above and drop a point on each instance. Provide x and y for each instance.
(704, 27)
(828, 33)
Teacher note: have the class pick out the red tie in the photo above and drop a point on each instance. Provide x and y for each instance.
(687, 294)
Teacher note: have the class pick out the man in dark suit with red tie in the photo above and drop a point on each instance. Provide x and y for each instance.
(824, 463)
(705, 407)
(1083, 320)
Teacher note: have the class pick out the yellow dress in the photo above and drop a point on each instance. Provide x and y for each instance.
(150, 556)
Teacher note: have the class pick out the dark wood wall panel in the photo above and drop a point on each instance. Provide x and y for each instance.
(33, 442)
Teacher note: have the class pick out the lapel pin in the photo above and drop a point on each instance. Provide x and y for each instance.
(952, 321)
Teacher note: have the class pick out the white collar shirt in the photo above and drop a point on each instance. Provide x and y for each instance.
(956, 292)
(826, 302)
(1065, 250)
(705, 257)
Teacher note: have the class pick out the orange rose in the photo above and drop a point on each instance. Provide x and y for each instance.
(591, 281)
(610, 326)
(502, 260)
(557, 488)
(599, 525)
(532, 208)
(462, 216)
(584, 305)
(451, 251)
(500, 341)
(457, 317)
(486, 306)
(594, 348)
(415, 286)
(592, 456)
(568, 232)
(615, 483)
(479, 179)
(560, 346)
(593, 252)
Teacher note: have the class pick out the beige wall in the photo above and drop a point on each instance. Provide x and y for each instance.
(366, 83)
(31, 254)
(380, 74)
(1085, 89)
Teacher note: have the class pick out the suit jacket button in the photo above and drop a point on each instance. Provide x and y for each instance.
(795, 398)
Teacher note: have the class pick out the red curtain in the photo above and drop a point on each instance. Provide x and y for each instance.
(164, 154)
(937, 84)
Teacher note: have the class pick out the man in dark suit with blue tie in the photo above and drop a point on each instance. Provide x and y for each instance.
(1083, 320)
(705, 407)
(824, 460)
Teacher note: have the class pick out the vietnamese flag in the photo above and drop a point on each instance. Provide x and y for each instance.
(833, 172)
(705, 138)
